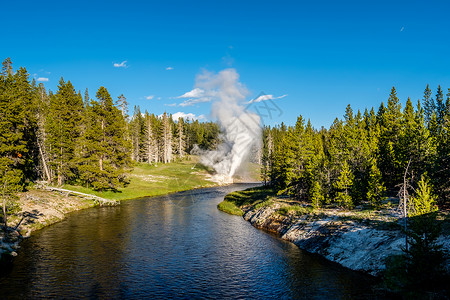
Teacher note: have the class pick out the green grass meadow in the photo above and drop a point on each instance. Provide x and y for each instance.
(149, 180)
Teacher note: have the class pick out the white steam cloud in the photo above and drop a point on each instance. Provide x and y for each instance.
(241, 129)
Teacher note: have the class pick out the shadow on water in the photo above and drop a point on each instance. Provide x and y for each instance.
(177, 246)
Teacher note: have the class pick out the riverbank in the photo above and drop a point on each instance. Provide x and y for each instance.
(360, 240)
(35, 209)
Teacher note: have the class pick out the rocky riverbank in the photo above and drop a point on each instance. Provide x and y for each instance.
(342, 237)
(37, 208)
(360, 240)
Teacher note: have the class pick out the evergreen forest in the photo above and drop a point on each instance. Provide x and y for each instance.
(366, 156)
(68, 137)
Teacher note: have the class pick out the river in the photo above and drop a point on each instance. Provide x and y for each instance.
(175, 246)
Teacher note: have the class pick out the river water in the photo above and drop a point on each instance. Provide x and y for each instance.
(176, 246)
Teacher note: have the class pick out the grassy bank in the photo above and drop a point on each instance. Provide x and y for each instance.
(254, 196)
(149, 180)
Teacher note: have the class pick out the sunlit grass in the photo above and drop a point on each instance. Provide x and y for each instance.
(258, 196)
(230, 208)
(148, 180)
(297, 209)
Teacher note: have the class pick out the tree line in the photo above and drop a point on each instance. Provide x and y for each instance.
(161, 139)
(67, 137)
(363, 157)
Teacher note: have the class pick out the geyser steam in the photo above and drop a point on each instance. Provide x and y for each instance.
(241, 129)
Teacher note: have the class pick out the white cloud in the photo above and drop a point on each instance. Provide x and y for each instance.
(191, 102)
(169, 68)
(265, 98)
(195, 93)
(45, 79)
(150, 97)
(171, 104)
(185, 116)
(121, 65)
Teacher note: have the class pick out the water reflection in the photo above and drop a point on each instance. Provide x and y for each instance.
(171, 247)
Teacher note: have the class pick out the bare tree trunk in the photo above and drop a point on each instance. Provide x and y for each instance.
(166, 139)
(405, 203)
(60, 169)
(150, 147)
(44, 163)
(5, 220)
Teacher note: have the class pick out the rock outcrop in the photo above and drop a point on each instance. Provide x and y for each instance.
(353, 244)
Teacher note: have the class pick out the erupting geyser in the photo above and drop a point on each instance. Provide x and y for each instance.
(241, 129)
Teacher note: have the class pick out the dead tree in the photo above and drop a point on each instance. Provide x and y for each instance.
(405, 204)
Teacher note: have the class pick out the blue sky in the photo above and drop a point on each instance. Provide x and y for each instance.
(322, 54)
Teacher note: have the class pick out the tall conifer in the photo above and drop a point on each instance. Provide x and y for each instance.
(63, 129)
(105, 151)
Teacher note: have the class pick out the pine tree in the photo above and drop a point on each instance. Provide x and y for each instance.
(380, 117)
(150, 143)
(25, 95)
(180, 142)
(122, 104)
(137, 135)
(433, 128)
(428, 105)
(447, 108)
(63, 128)
(424, 201)
(105, 150)
(390, 160)
(15, 99)
(414, 142)
(316, 195)
(280, 159)
(267, 155)
(441, 165)
(376, 189)
(343, 185)
(7, 67)
(440, 106)
(86, 98)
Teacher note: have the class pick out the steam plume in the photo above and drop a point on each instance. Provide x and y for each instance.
(241, 128)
